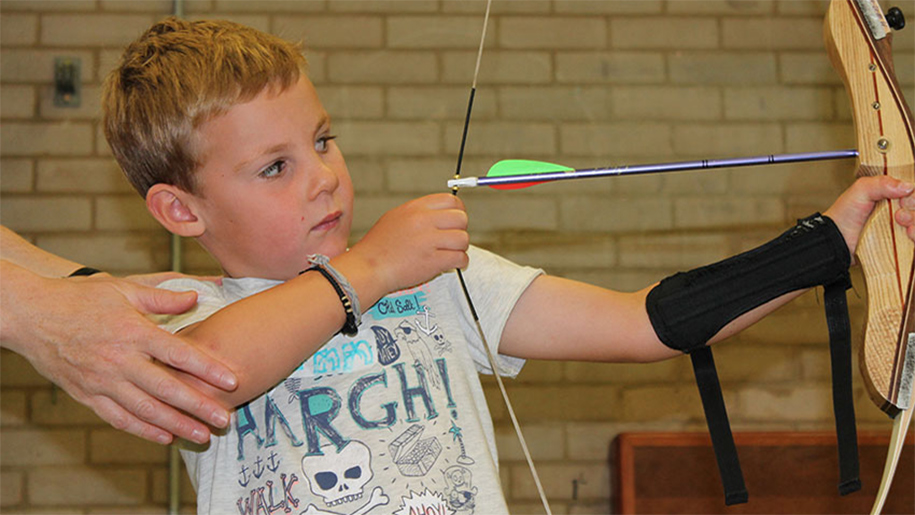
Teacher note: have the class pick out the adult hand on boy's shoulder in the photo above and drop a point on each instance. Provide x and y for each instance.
(416, 241)
(91, 336)
(852, 209)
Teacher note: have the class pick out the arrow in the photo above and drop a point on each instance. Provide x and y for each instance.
(519, 173)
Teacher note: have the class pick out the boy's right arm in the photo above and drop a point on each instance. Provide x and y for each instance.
(264, 337)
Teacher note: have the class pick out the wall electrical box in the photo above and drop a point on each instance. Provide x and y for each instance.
(67, 82)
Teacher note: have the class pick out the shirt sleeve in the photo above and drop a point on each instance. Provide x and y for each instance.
(495, 285)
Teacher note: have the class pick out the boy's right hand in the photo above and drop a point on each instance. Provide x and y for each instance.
(414, 242)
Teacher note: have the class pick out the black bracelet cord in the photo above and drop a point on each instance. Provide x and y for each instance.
(350, 328)
(84, 271)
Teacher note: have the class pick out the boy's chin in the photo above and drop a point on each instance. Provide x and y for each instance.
(331, 250)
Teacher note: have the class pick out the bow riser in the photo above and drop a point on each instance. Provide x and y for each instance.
(883, 124)
(858, 42)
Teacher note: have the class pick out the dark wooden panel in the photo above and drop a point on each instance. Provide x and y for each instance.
(785, 472)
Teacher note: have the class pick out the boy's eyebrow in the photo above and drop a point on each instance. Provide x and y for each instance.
(266, 152)
(323, 121)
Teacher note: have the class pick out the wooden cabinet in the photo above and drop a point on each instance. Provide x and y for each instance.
(785, 472)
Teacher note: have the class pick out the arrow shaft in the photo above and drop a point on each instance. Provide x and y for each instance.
(682, 166)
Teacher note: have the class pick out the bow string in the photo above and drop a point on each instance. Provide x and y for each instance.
(473, 311)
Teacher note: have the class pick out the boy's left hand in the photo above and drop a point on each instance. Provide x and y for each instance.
(852, 209)
(905, 216)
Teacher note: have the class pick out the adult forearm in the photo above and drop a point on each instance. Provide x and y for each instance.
(16, 250)
(17, 284)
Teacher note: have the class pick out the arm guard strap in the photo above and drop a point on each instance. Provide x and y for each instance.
(689, 308)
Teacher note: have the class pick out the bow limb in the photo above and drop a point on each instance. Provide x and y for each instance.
(858, 40)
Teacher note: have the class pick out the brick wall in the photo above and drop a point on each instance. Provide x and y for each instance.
(579, 82)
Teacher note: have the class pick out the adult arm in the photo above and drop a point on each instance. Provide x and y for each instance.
(561, 319)
(90, 336)
(16, 250)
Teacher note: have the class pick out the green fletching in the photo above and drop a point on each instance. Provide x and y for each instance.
(524, 167)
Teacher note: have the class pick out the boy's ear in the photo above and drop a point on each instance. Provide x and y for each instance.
(174, 208)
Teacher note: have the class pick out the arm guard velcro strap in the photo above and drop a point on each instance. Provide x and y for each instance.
(842, 395)
(719, 428)
(689, 308)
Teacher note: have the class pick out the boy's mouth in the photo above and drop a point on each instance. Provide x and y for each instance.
(329, 222)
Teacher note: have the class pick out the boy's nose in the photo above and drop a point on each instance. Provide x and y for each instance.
(325, 180)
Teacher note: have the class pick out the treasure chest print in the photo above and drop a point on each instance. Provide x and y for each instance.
(393, 376)
(413, 455)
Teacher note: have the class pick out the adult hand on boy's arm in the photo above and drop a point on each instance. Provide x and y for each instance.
(91, 337)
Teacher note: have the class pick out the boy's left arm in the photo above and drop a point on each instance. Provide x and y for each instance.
(561, 319)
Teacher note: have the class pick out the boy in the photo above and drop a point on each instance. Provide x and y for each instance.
(220, 130)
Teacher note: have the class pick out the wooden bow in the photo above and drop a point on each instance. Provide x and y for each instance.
(858, 40)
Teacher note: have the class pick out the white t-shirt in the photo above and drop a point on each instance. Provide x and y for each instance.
(392, 420)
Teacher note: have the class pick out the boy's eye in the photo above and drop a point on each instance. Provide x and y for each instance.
(321, 144)
(274, 169)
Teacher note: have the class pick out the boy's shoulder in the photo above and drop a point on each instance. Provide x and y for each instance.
(491, 278)
(211, 297)
(493, 265)
(484, 257)
(225, 289)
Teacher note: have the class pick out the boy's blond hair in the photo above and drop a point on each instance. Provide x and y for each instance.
(175, 77)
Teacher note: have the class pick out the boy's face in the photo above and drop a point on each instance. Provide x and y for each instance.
(273, 186)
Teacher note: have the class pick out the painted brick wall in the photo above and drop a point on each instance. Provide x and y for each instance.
(580, 82)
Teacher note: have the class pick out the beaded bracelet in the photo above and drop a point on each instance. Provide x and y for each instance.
(345, 291)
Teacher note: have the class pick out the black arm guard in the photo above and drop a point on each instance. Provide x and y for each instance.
(689, 308)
